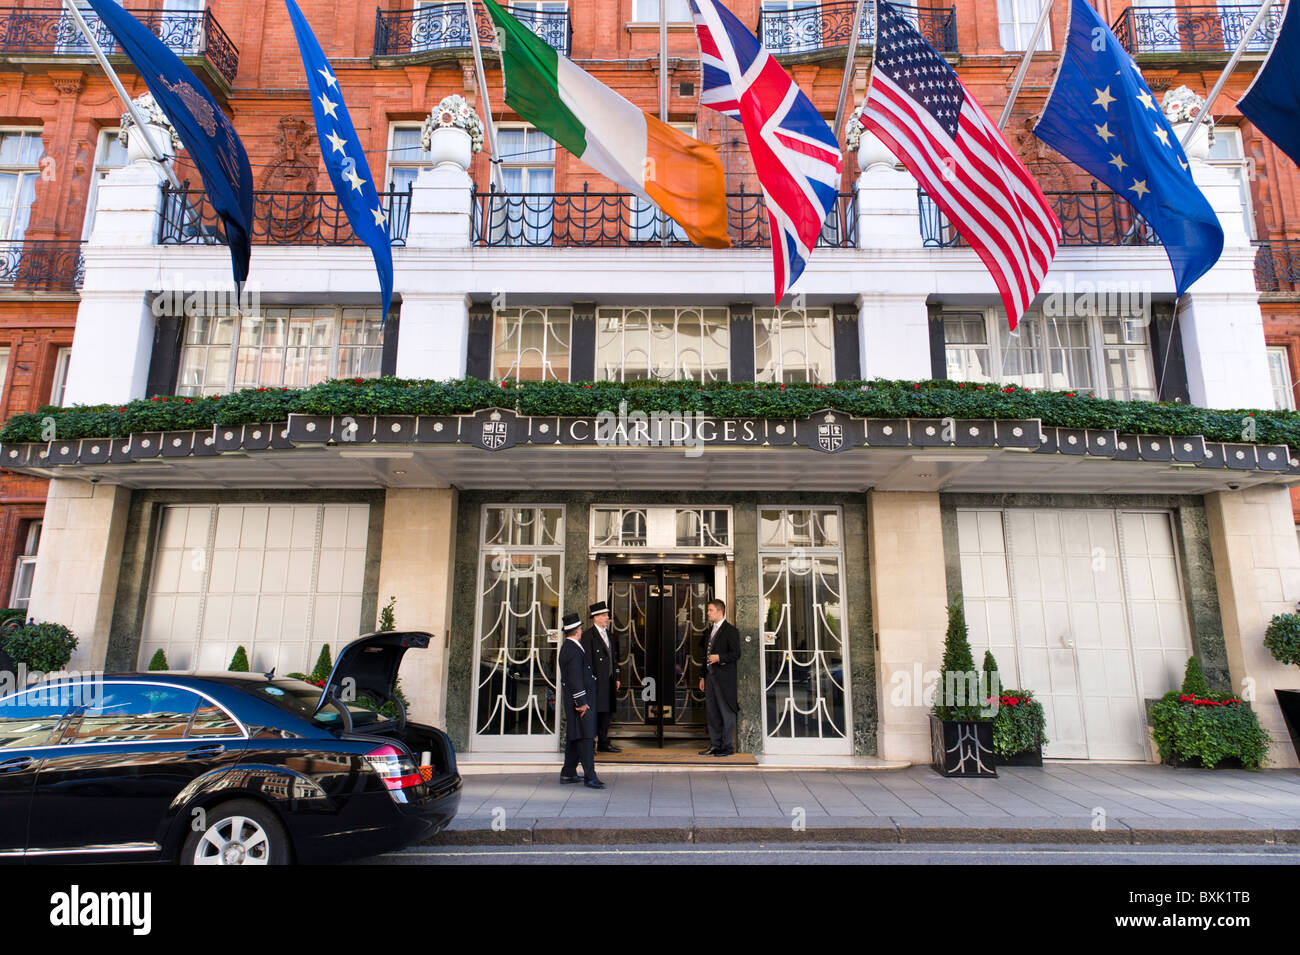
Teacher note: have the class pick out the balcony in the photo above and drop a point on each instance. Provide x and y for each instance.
(617, 220)
(1200, 30)
(194, 35)
(444, 27)
(828, 26)
(1088, 218)
(1277, 266)
(279, 218)
(40, 265)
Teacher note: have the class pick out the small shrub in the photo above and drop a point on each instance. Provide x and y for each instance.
(958, 696)
(388, 615)
(1194, 683)
(321, 671)
(1283, 638)
(158, 661)
(41, 646)
(239, 662)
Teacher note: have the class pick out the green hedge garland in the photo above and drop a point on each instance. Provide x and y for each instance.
(869, 399)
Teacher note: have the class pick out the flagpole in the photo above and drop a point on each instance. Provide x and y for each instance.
(131, 109)
(848, 66)
(1023, 69)
(664, 229)
(1227, 71)
(494, 164)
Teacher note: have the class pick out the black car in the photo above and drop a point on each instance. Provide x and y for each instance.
(223, 769)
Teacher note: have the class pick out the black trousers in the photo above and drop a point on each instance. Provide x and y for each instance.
(579, 749)
(602, 726)
(721, 717)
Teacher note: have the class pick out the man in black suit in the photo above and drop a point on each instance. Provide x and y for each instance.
(602, 650)
(722, 651)
(578, 684)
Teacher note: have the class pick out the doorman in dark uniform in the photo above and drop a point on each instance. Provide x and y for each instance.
(722, 651)
(578, 686)
(602, 650)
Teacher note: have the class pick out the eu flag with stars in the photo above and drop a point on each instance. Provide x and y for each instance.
(344, 158)
(1272, 101)
(208, 135)
(1102, 116)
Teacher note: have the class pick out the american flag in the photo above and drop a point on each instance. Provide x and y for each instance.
(796, 156)
(922, 111)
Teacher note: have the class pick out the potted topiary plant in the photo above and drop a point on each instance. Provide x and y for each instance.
(321, 671)
(158, 661)
(239, 662)
(961, 724)
(44, 647)
(1283, 640)
(1194, 727)
(1019, 729)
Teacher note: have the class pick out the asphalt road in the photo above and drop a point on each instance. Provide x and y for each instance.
(841, 855)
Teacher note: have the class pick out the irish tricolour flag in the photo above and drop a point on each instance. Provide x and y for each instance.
(641, 154)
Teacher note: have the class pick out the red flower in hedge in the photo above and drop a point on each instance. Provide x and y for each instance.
(358, 380)
(189, 401)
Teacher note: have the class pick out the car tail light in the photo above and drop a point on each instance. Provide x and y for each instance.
(395, 768)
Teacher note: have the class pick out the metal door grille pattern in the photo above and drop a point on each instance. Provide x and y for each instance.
(804, 670)
(521, 566)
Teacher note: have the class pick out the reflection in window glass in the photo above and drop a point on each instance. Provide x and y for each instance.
(793, 345)
(663, 343)
(27, 719)
(136, 713)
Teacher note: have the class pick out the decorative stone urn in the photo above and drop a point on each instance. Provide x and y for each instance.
(1181, 107)
(160, 130)
(453, 133)
(871, 151)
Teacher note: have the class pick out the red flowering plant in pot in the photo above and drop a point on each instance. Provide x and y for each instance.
(1196, 727)
(1019, 728)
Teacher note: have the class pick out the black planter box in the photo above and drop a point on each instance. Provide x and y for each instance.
(963, 748)
(1289, 701)
(1228, 762)
(1028, 757)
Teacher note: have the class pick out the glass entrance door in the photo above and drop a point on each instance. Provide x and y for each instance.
(658, 613)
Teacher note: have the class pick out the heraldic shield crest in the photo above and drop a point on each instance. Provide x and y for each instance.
(830, 436)
(495, 432)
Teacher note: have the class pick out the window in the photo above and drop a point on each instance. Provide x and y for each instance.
(1109, 357)
(664, 343)
(60, 386)
(110, 154)
(27, 719)
(439, 25)
(4, 371)
(793, 26)
(521, 573)
(20, 157)
(135, 713)
(647, 11)
(1227, 153)
(1279, 374)
(1016, 22)
(25, 569)
(405, 156)
(793, 345)
(278, 579)
(527, 168)
(531, 344)
(646, 223)
(804, 637)
(279, 347)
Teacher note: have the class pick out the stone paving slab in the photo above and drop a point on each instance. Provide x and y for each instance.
(1131, 803)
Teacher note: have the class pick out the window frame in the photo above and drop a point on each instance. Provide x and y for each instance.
(638, 20)
(995, 321)
(23, 171)
(59, 383)
(618, 373)
(1023, 31)
(1288, 383)
(552, 372)
(98, 174)
(808, 334)
(1241, 168)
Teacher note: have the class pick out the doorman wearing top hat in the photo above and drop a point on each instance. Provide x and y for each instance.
(578, 684)
(602, 650)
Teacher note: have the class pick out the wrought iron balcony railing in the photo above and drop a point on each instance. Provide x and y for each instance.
(279, 218)
(1277, 266)
(1212, 29)
(41, 265)
(608, 219)
(1088, 218)
(824, 26)
(445, 26)
(54, 32)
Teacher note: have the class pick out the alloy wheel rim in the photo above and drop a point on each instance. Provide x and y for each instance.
(235, 840)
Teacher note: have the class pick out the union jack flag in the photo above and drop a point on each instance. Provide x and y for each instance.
(923, 112)
(795, 154)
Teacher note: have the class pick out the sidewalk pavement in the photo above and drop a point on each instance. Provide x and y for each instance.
(1059, 803)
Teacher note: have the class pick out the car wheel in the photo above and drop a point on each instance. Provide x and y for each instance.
(242, 832)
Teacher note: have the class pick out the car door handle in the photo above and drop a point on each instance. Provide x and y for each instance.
(17, 765)
(203, 752)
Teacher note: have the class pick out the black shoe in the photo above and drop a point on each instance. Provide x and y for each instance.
(570, 779)
(709, 752)
(608, 748)
(593, 784)
(724, 752)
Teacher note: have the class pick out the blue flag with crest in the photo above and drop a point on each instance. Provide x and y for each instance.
(344, 158)
(1101, 115)
(1272, 101)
